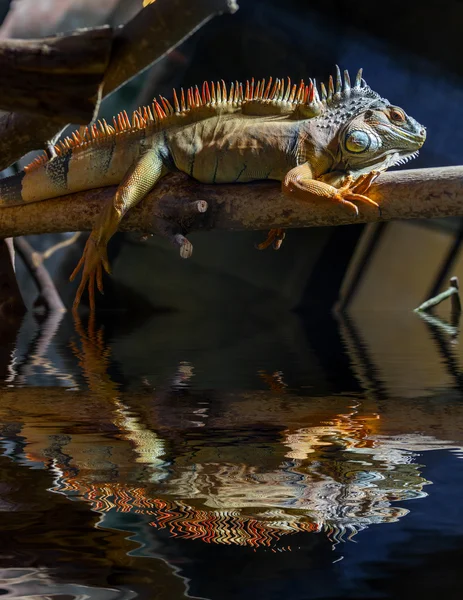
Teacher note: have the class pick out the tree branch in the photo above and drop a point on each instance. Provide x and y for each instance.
(11, 302)
(452, 292)
(153, 32)
(179, 205)
(48, 296)
(58, 75)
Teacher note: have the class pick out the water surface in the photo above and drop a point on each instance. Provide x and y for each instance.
(193, 456)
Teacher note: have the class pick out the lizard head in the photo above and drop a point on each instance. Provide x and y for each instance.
(379, 137)
(369, 132)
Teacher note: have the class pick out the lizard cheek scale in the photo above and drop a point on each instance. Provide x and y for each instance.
(324, 142)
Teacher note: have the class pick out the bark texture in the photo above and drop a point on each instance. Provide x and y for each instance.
(413, 194)
(58, 76)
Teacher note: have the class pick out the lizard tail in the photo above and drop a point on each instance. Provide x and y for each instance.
(11, 190)
(71, 172)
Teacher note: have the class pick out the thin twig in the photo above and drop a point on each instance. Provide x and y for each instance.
(40, 257)
(11, 302)
(437, 323)
(452, 292)
(48, 294)
(455, 298)
(36, 359)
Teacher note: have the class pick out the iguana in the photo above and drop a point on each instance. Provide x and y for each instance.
(322, 142)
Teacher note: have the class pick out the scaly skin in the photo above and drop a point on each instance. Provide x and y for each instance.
(326, 145)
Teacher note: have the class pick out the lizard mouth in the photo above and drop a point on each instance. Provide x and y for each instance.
(401, 159)
(386, 161)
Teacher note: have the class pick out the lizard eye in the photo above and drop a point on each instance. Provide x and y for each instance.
(357, 141)
(397, 115)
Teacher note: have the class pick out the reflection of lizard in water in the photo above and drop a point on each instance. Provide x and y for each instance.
(94, 358)
(321, 484)
(240, 504)
(325, 475)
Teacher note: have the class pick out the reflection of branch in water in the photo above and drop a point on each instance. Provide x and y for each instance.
(450, 329)
(35, 361)
(440, 332)
(36, 357)
(363, 366)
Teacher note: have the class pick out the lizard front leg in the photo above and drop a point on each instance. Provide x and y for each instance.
(138, 181)
(300, 184)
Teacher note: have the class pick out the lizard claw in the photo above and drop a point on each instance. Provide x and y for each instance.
(92, 262)
(364, 182)
(275, 237)
(348, 203)
(356, 190)
(281, 234)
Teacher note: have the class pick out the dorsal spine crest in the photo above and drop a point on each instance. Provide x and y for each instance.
(266, 98)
